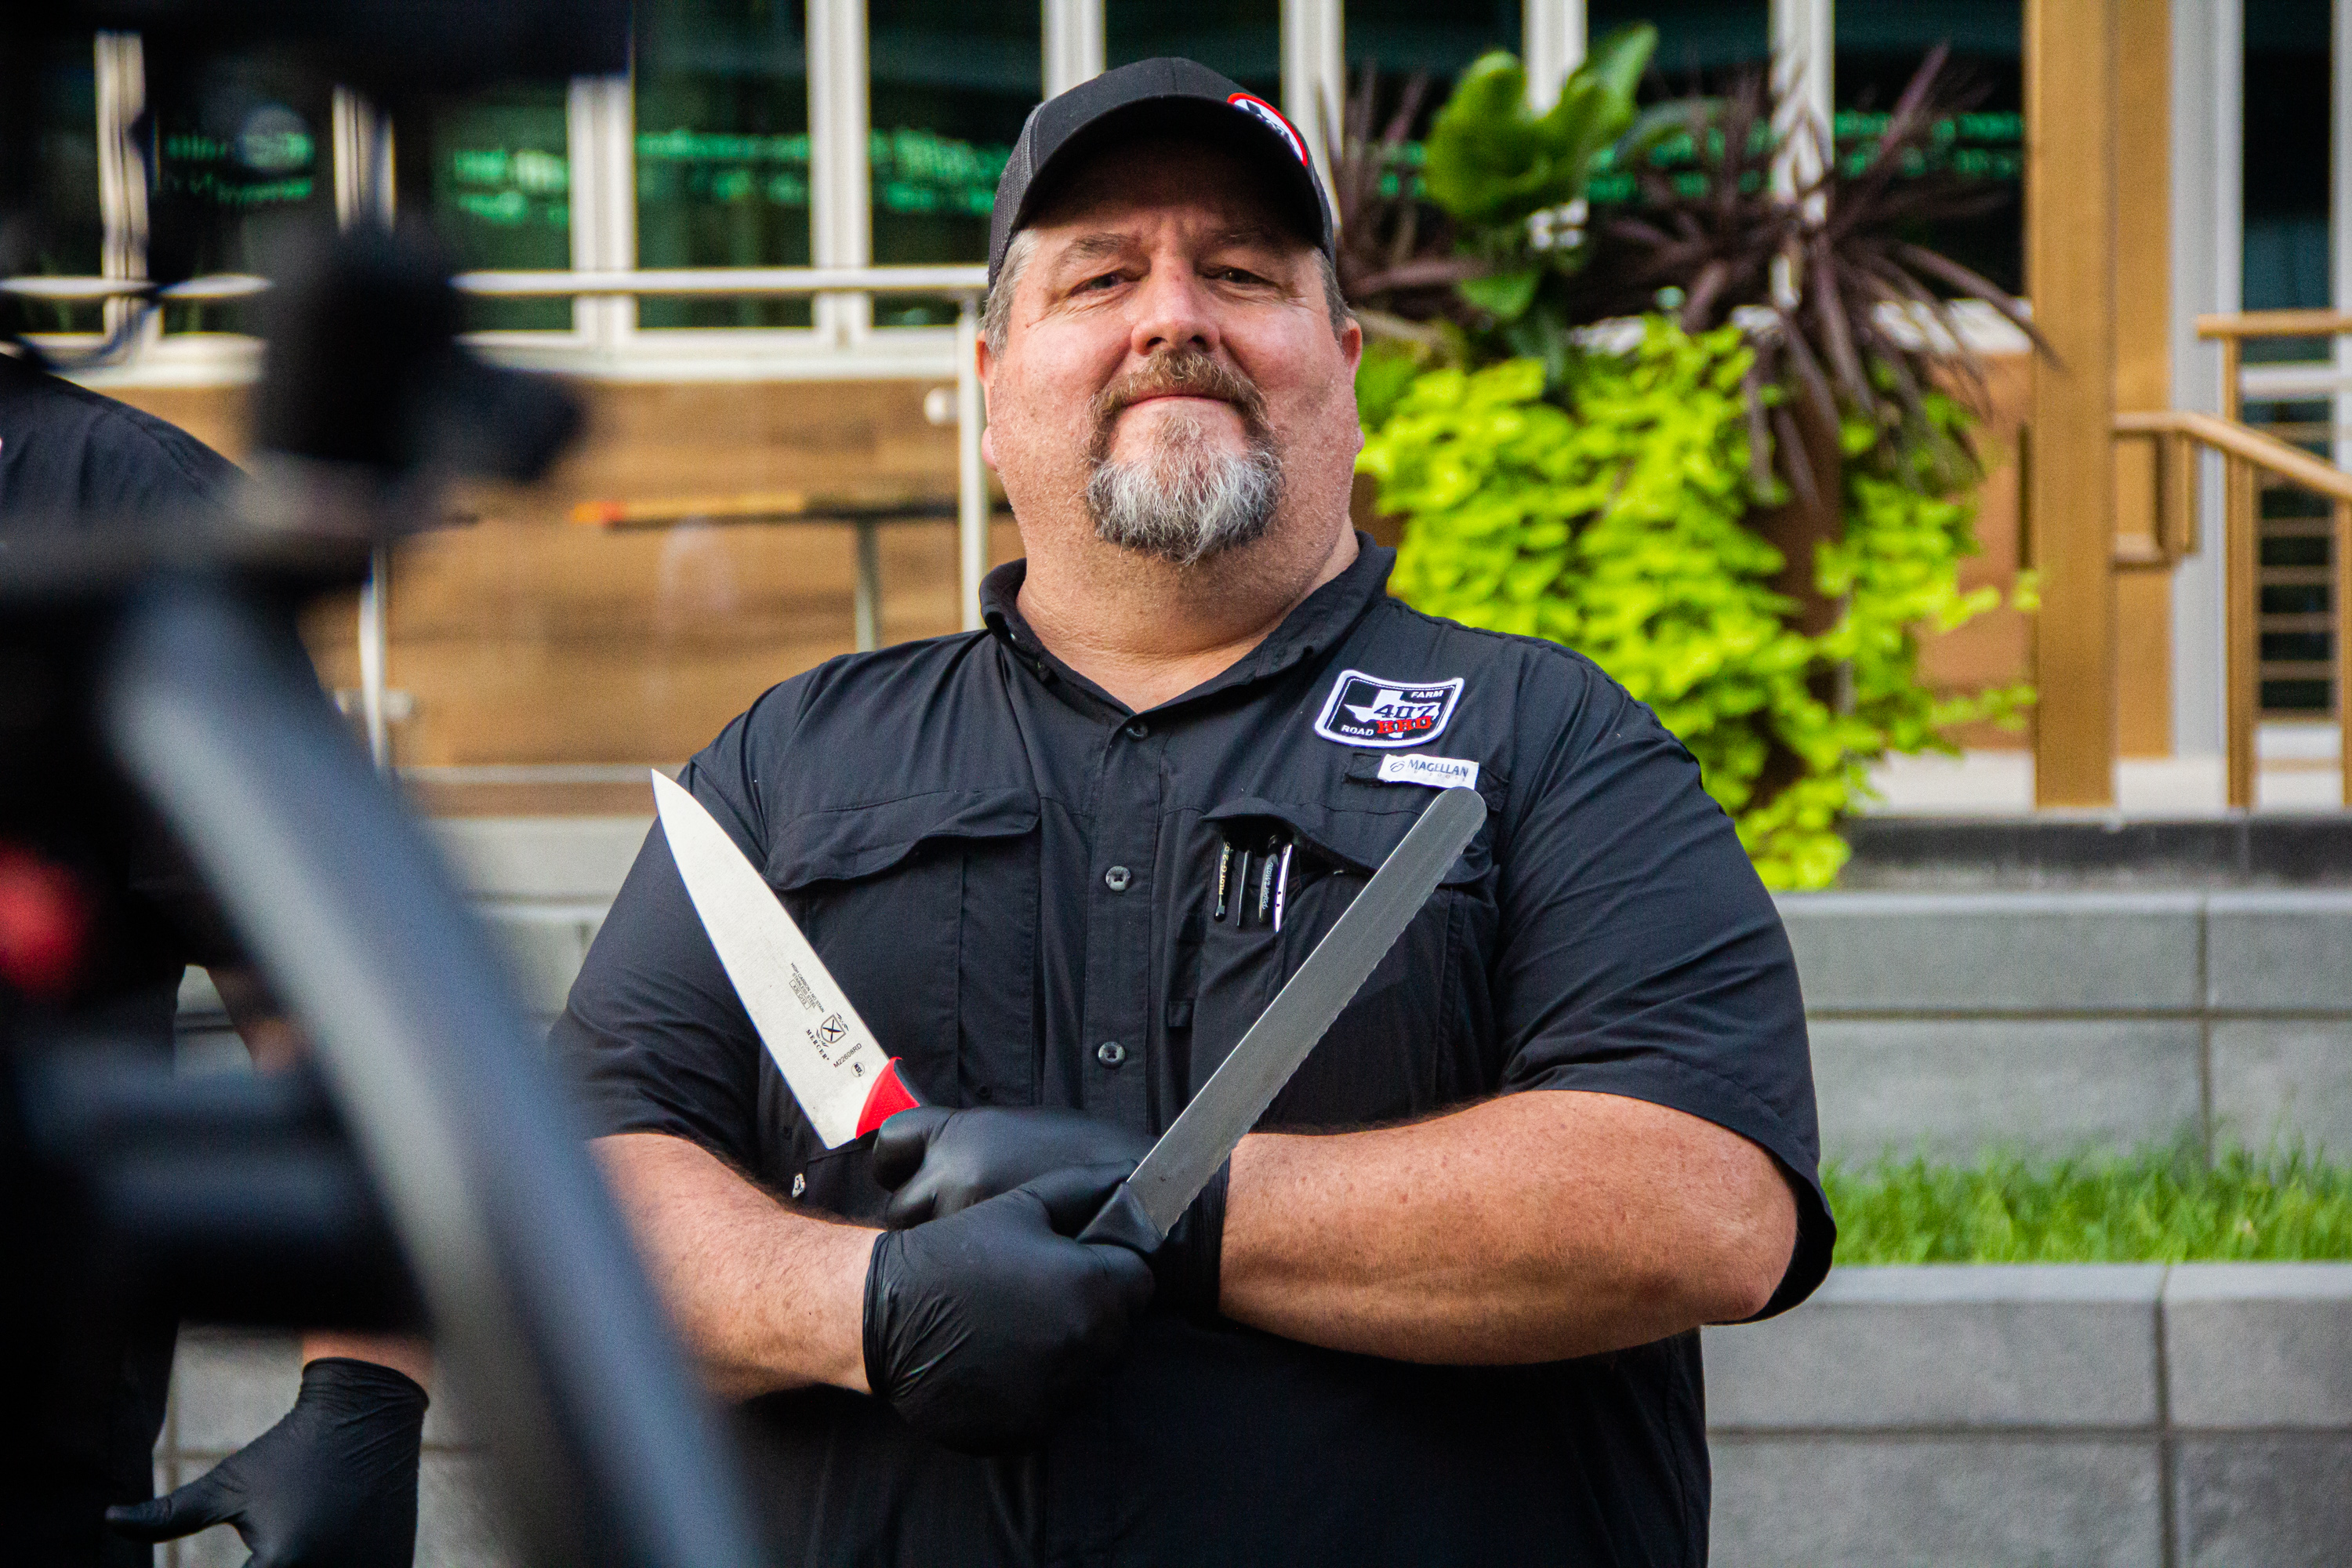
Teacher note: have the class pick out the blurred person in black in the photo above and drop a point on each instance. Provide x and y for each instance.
(334, 1483)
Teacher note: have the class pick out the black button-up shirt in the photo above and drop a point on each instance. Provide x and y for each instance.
(1013, 876)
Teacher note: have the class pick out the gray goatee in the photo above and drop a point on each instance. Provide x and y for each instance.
(1184, 499)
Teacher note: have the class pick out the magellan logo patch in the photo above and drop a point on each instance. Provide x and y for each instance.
(1365, 711)
(1250, 104)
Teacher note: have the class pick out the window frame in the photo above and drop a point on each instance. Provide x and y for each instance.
(605, 340)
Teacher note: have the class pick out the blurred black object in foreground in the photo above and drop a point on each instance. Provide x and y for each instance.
(150, 674)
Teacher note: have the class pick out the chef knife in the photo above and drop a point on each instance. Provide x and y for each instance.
(1155, 1196)
(846, 1083)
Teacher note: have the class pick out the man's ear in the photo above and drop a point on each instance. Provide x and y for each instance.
(987, 363)
(1351, 343)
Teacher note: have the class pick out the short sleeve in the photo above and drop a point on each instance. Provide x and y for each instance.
(1642, 956)
(652, 1033)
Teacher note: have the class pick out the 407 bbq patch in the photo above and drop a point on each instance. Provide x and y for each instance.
(1365, 711)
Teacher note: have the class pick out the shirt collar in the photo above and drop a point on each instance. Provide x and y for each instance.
(1315, 627)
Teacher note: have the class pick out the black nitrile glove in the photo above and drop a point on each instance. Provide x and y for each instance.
(937, 1162)
(982, 1327)
(333, 1485)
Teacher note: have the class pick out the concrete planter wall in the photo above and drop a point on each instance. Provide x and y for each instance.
(2050, 1023)
(2073, 1417)
(2095, 1416)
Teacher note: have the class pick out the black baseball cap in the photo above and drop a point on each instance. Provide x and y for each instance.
(1166, 97)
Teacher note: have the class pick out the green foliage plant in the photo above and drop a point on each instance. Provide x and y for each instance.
(1612, 515)
(1514, 181)
(1787, 395)
(2149, 1208)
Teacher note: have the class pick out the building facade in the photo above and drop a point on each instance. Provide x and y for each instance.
(763, 134)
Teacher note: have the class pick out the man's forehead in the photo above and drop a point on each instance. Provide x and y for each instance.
(1124, 191)
(1093, 240)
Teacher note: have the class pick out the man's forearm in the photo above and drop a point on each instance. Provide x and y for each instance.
(1534, 1227)
(767, 1297)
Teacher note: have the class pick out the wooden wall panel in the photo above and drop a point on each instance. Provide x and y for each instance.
(525, 639)
(1996, 647)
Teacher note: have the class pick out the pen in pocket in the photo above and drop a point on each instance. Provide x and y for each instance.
(1265, 881)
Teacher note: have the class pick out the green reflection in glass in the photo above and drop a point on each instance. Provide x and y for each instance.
(494, 171)
(722, 150)
(1240, 38)
(242, 156)
(951, 82)
(1879, 47)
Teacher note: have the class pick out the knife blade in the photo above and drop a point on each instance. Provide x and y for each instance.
(1156, 1194)
(847, 1085)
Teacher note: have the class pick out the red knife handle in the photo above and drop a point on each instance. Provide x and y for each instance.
(891, 1094)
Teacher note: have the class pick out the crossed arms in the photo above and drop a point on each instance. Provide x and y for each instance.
(1534, 1227)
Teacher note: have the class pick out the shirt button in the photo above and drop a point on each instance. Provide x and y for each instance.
(1136, 729)
(1117, 879)
(1110, 1053)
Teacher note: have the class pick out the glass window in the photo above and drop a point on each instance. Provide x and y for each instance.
(243, 152)
(722, 150)
(1240, 38)
(72, 231)
(2286, 174)
(494, 171)
(951, 82)
(1879, 47)
(1703, 45)
(1400, 37)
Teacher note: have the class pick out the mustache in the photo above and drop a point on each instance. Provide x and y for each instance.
(1189, 373)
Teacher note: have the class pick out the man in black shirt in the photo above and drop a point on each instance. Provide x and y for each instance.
(1443, 1306)
(73, 460)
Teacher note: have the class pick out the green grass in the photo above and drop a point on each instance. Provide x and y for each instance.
(2156, 1209)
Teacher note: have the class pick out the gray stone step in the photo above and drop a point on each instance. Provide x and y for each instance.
(2124, 1414)
(2052, 1023)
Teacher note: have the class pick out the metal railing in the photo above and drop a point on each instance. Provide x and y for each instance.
(2243, 451)
(2249, 454)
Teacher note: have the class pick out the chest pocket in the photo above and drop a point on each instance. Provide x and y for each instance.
(1416, 1038)
(925, 910)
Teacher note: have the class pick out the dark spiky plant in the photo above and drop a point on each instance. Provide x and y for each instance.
(1398, 263)
(1849, 313)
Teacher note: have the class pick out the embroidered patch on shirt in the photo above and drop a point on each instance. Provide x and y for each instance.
(1437, 772)
(1365, 711)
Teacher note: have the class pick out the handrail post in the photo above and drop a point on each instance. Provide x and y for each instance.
(971, 475)
(2244, 654)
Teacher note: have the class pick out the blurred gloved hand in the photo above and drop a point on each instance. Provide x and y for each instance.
(982, 1328)
(333, 1485)
(936, 1162)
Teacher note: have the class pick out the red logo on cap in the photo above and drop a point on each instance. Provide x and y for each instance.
(1273, 117)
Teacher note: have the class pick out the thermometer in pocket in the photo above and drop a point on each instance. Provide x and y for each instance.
(847, 1085)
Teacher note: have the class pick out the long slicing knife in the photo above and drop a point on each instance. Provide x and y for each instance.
(1171, 1175)
(846, 1083)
